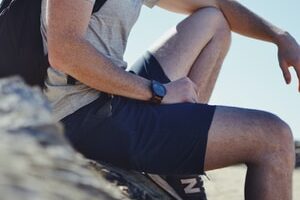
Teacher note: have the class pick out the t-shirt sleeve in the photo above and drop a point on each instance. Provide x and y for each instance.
(150, 3)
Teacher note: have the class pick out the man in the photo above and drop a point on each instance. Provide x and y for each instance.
(157, 119)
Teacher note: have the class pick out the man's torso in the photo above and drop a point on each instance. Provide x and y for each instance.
(108, 32)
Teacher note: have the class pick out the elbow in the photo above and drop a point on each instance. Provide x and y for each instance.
(61, 54)
(57, 56)
(55, 60)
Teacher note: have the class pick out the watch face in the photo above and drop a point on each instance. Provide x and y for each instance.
(159, 89)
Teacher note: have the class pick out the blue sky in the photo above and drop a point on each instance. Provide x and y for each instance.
(250, 76)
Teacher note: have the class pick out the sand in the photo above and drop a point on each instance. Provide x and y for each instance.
(228, 184)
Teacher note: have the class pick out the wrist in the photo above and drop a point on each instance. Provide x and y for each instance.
(158, 90)
(281, 37)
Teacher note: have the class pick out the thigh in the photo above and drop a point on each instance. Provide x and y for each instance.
(163, 139)
(178, 49)
(148, 67)
(238, 136)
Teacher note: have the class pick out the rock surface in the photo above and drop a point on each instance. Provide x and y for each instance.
(38, 163)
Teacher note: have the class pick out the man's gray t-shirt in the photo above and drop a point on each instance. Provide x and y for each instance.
(108, 31)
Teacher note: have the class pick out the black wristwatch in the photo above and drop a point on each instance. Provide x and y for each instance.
(158, 92)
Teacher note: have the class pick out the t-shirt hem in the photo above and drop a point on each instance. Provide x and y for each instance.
(58, 116)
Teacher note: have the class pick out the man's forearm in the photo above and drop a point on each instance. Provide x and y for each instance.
(82, 61)
(240, 18)
(245, 22)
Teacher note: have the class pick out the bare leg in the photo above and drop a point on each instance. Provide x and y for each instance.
(196, 48)
(260, 140)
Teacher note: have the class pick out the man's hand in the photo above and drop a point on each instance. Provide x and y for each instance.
(289, 56)
(180, 91)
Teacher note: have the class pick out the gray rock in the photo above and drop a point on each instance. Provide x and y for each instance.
(22, 106)
(37, 163)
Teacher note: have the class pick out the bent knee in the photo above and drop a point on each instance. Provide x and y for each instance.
(277, 130)
(278, 137)
(272, 139)
(216, 20)
(215, 16)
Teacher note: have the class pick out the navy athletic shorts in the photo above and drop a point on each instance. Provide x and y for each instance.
(167, 139)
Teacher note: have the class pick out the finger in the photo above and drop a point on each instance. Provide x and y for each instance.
(195, 101)
(196, 96)
(194, 91)
(286, 73)
(298, 76)
(192, 97)
(195, 86)
(190, 100)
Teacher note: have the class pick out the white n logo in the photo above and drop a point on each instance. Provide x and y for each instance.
(189, 189)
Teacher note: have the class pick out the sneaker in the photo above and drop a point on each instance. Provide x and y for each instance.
(181, 187)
